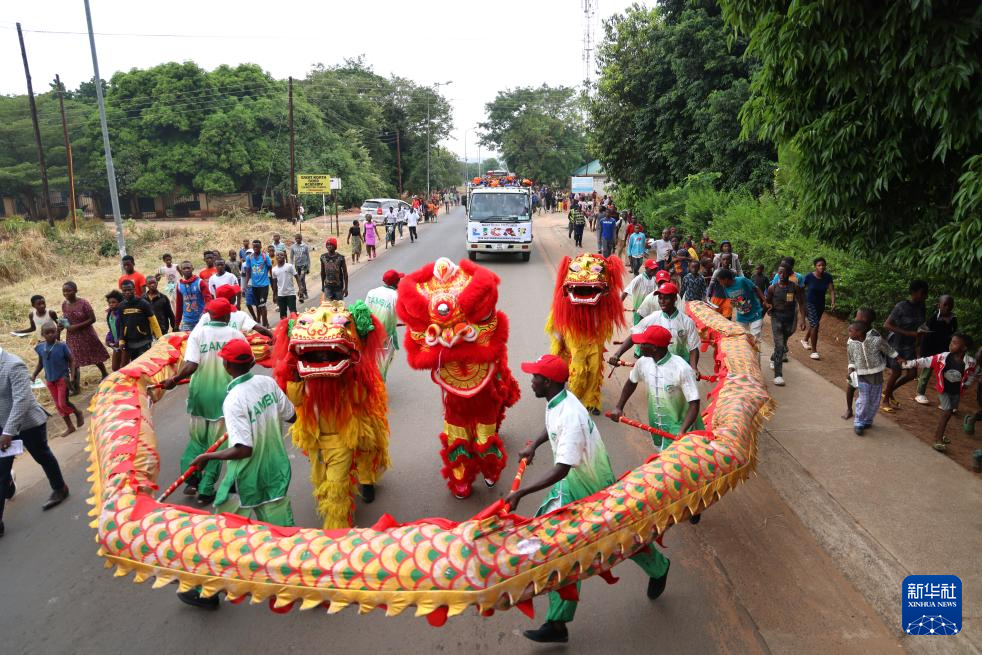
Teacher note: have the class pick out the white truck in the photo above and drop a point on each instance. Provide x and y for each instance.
(499, 220)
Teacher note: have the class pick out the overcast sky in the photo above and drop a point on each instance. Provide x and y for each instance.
(481, 50)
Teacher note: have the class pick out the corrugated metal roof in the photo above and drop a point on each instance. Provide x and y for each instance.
(593, 168)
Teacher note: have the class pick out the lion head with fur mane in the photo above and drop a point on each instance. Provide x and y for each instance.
(453, 327)
(587, 297)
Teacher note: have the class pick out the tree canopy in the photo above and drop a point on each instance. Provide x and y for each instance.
(177, 129)
(540, 132)
(669, 91)
(878, 106)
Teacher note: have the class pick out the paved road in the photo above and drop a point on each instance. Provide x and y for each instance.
(748, 579)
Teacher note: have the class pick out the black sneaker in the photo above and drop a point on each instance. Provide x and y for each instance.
(56, 498)
(191, 488)
(12, 489)
(695, 518)
(656, 586)
(195, 599)
(205, 499)
(551, 632)
(367, 492)
(858, 430)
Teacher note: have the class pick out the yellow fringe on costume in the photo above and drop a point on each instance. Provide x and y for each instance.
(364, 438)
(586, 362)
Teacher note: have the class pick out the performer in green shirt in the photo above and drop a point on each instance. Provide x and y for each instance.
(581, 469)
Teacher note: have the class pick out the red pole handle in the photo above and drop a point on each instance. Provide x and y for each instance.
(191, 469)
(642, 426)
(157, 385)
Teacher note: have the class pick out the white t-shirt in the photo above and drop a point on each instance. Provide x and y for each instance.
(639, 288)
(283, 275)
(382, 301)
(662, 248)
(242, 420)
(685, 336)
(576, 442)
(217, 280)
(239, 320)
(413, 219)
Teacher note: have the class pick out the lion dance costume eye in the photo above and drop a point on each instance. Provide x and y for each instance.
(455, 332)
(327, 362)
(586, 307)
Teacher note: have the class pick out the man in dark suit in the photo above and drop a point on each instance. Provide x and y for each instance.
(23, 419)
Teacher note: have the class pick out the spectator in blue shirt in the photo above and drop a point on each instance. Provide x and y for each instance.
(56, 360)
(608, 227)
(259, 266)
(749, 304)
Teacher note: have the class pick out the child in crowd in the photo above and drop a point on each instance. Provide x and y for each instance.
(132, 275)
(868, 316)
(759, 278)
(867, 351)
(55, 359)
(113, 299)
(940, 326)
(39, 315)
(693, 284)
(953, 371)
(637, 247)
(169, 273)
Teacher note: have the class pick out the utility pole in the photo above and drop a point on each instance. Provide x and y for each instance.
(110, 169)
(427, 140)
(399, 162)
(37, 130)
(293, 177)
(68, 154)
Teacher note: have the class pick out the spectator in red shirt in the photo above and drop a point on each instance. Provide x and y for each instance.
(130, 273)
(209, 268)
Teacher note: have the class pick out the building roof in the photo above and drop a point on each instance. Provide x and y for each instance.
(593, 168)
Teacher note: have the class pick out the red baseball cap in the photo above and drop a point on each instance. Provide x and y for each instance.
(668, 289)
(331, 241)
(237, 351)
(228, 291)
(662, 276)
(655, 335)
(391, 277)
(548, 366)
(650, 264)
(219, 308)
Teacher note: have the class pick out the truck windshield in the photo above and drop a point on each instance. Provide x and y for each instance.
(499, 207)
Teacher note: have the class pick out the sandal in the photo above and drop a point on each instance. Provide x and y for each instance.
(945, 439)
(940, 447)
(891, 402)
(887, 409)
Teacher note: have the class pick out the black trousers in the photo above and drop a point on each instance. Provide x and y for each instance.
(412, 233)
(36, 443)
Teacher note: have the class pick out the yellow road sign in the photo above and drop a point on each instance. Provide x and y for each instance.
(313, 183)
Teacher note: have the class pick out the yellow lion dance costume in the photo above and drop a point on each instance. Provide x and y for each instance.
(586, 308)
(327, 362)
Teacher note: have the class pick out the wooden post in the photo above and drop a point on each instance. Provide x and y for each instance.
(399, 162)
(68, 154)
(37, 129)
(293, 177)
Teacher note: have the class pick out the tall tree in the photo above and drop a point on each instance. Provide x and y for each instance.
(880, 104)
(539, 131)
(671, 84)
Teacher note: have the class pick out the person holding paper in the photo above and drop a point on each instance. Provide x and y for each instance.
(25, 422)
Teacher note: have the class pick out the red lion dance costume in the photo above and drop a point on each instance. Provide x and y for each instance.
(454, 331)
(327, 363)
(586, 307)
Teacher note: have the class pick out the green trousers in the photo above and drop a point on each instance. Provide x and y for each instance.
(203, 434)
(275, 512)
(652, 562)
